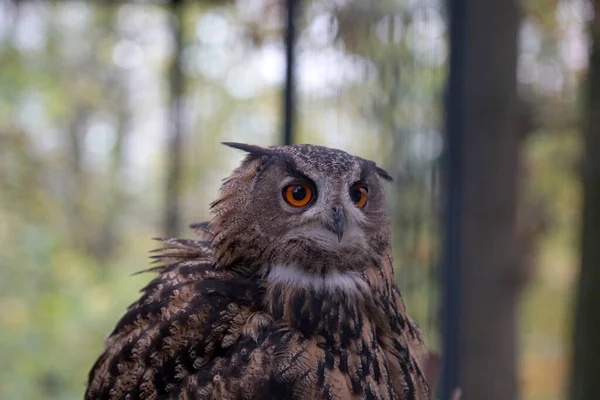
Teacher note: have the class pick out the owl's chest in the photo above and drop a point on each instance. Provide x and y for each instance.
(325, 348)
(327, 365)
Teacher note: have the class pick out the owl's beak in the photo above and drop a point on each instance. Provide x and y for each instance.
(338, 222)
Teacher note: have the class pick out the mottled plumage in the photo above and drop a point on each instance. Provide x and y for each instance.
(273, 301)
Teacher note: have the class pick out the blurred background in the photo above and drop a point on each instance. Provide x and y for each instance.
(111, 118)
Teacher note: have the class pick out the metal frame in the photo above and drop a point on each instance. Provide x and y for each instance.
(453, 182)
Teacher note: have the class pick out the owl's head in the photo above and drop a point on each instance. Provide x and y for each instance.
(304, 205)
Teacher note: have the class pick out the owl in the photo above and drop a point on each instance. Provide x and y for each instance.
(287, 293)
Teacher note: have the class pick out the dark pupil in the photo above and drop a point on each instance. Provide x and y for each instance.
(355, 195)
(299, 193)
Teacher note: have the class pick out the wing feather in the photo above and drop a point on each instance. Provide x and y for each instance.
(185, 320)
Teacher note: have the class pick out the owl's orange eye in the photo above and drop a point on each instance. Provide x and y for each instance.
(298, 194)
(358, 194)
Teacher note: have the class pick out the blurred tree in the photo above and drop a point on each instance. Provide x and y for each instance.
(552, 61)
(175, 139)
(585, 382)
(489, 166)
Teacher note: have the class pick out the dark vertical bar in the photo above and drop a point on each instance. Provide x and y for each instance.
(451, 268)
(175, 133)
(289, 91)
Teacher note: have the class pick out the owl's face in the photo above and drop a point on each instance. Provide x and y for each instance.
(310, 201)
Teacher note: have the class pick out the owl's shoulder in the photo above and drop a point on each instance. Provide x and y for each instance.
(187, 317)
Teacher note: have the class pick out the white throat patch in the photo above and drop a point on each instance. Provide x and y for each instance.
(349, 282)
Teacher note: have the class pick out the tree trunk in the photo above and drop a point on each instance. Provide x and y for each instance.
(76, 187)
(175, 137)
(585, 379)
(490, 277)
(109, 234)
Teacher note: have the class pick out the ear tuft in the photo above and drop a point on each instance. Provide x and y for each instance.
(257, 151)
(383, 174)
(253, 150)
